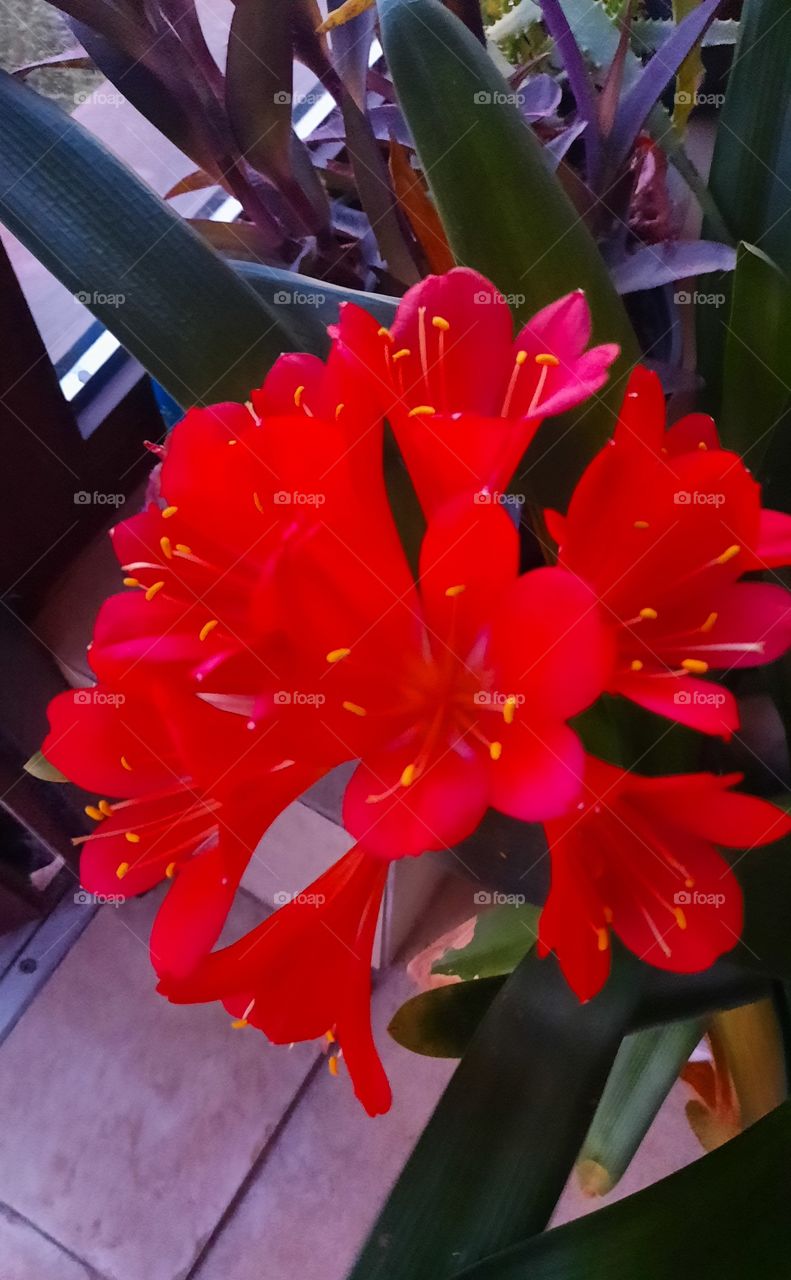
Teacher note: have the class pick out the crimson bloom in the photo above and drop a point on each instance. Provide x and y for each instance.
(305, 972)
(463, 396)
(638, 857)
(192, 791)
(662, 531)
(456, 696)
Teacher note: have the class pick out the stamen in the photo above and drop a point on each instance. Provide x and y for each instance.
(335, 655)
(641, 524)
(339, 408)
(131, 582)
(709, 623)
(439, 322)
(702, 445)
(170, 870)
(230, 442)
(495, 750)
(94, 813)
(332, 1065)
(384, 333)
(695, 666)
(408, 776)
(154, 590)
(649, 615)
(238, 1023)
(602, 939)
(207, 628)
(509, 709)
(681, 919)
(452, 592)
(182, 549)
(728, 554)
(545, 358)
(121, 870)
(636, 665)
(167, 549)
(298, 394)
(106, 808)
(132, 837)
(521, 357)
(354, 708)
(399, 355)
(422, 411)
(125, 764)
(168, 512)
(258, 503)
(421, 327)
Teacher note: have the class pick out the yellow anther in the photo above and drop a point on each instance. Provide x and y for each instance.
(603, 939)
(131, 582)
(641, 524)
(636, 665)
(547, 359)
(183, 549)
(329, 1036)
(298, 394)
(422, 411)
(408, 776)
(695, 666)
(106, 808)
(154, 590)
(384, 333)
(259, 504)
(239, 1023)
(170, 870)
(168, 512)
(335, 655)
(125, 764)
(132, 837)
(167, 549)
(230, 442)
(455, 591)
(689, 883)
(649, 615)
(728, 554)
(495, 750)
(332, 1065)
(521, 357)
(681, 919)
(399, 355)
(709, 623)
(339, 408)
(509, 709)
(207, 628)
(121, 870)
(702, 445)
(93, 812)
(439, 322)
(354, 708)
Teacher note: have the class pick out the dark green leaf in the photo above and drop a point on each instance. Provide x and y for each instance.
(502, 938)
(441, 1023)
(484, 1172)
(172, 302)
(724, 1217)
(40, 767)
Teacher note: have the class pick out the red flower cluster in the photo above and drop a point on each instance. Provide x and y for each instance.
(274, 629)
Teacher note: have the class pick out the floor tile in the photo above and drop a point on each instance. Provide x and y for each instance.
(129, 1124)
(27, 1255)
(321, 1186)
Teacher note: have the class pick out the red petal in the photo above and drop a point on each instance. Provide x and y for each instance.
(539, 773)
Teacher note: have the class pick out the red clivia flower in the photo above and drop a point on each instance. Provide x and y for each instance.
(638, 857)
(455, 697)
(464, 397)
(661, 531)
(305, 972)
(191, 793)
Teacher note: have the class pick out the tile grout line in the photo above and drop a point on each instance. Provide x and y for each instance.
(13, 1216)
(255, 1169)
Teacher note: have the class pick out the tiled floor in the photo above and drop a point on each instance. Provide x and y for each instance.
(141, 1141)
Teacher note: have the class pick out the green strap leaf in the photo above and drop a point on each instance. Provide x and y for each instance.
(201, 331)
(646, 1067)
(502, 938)
(722, 1218)
(483, 1172)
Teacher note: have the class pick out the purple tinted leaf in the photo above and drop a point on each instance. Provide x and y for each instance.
(258, 84)
(310, 48)
(557, 147)
(538, 97)
(557, 25)
(351, 48)
(639, 101)
(386, 121)
(376, 194)
(658, 264)
(183, 16)
(72, 58)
